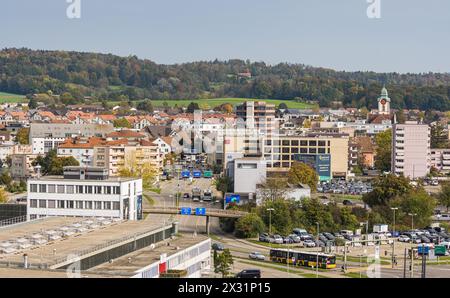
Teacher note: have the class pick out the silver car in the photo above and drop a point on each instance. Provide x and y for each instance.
(257, 256)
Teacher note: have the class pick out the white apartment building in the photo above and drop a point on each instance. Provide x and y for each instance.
(411, 149)
(85, 192)
(440, 159)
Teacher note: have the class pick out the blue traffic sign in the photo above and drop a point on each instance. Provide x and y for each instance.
(186, 211)
(200, 211)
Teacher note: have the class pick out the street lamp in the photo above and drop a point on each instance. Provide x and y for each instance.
(393, 234)
(270, 219)
(317, 257)
(412, 220)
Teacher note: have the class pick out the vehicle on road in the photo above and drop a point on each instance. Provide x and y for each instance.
(196, 194)
(347, 203)
(257, 256)
(207, 195)
(299, 258)
(217, 246)
(249, 273)
(404, 238)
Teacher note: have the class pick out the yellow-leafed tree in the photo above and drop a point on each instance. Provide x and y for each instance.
(133, 168)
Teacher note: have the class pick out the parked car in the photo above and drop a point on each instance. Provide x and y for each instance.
(264, 237)
(404, 238)
(329, 236)
(320, 243)
(257, 256)
(217, 246)
(278, 239)
(309, 243)
(295, 238)
(288, 240)
(347, 203)
(424, 239)
(249, 273)
(186, 195)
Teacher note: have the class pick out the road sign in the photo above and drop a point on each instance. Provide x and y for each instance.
(186, 211)
(200, 211)
(423, 250)
(232, 199)
(440, 250)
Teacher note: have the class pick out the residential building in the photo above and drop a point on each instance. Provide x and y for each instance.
(21, 166)
(411, 149)
(85, 192)
(440, 160)
(258, 115)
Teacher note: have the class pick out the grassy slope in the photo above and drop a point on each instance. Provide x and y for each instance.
(9, 97)
(212, 103)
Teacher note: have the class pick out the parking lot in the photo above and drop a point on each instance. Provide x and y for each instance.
(344, 187)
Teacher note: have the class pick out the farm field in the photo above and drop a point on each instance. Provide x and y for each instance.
(9, 97)
(212, 103)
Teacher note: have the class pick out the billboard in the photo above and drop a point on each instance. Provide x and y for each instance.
(321, 163)
(232, 199)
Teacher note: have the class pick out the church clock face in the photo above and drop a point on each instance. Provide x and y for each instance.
(383, 101)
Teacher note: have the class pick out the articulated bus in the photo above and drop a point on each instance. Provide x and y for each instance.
(307, 259)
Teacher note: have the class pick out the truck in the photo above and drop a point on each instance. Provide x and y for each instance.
(196, 194)
(380, 228)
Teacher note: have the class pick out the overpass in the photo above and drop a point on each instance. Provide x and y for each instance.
(209, 213)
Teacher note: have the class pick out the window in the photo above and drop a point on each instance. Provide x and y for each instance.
(322, 143)
(89, 189)
(303, 150)
(108, 190)
(303, 143)
(294, 150)
(312, 150)
(80, 189)
(42, 203)
(42, 188)
(116, 190)
(294, 143)
(321, 150)
(247, 166)
(33, 203)
(60, 188)
(61, 204)
(97, 189)
(286, 143)
(51, 204)
(285, 150)
(312, 143)
(70, 189)
(107, 205)
(51, 188)
(88, 204)
(116, 205)
(98, 205)
(79, 204)
(285, 157)
(70, 205)
(33, 187)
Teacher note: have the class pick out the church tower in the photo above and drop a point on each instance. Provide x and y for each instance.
(384, 103)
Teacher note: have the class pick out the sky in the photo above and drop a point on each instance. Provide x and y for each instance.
(409, 36)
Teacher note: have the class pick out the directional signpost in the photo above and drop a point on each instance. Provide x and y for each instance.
(186, 211)
(200, 211)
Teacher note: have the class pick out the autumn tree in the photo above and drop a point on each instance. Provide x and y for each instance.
(133, 168)
(23, 136)
(302, 173)
(122, 122)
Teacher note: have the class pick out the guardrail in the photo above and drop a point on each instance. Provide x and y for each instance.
(13, 221)
(209, 212)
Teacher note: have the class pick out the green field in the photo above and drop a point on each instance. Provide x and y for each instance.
(9, 97)
(212, 103)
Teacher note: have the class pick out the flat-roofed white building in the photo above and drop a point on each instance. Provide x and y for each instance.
(411, 149)
(85, 192)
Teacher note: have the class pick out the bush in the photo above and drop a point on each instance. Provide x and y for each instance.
(249, 226)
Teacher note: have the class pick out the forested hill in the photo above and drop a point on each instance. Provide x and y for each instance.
(106, 76)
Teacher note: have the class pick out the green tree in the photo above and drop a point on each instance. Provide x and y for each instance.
(283, 106)
(23, 136)
(279, 219)
(145, 106)
(122, 122)
(401, 118)
(5, 178)
(249, 226)
(386, 188)
(302, 173)
(224, 263)
(383, 142)
(439, 136)
(416, 202)
(193, 106)
(444, 196)
(51, 164)
(224, 184)
(32, 104)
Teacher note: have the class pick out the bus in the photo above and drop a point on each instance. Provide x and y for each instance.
(306, 259)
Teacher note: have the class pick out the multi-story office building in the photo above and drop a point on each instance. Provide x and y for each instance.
(411, 149)
(85, 192)
(327, 153)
